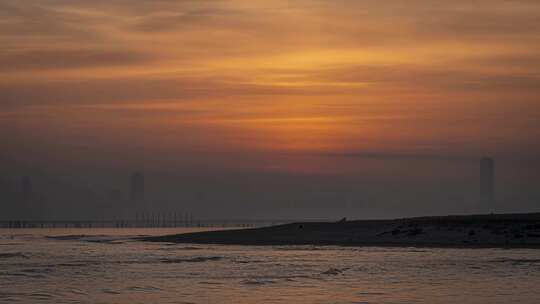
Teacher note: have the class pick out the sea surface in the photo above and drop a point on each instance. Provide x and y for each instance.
(106, 266)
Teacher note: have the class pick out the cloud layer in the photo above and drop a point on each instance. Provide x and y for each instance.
(420, 77)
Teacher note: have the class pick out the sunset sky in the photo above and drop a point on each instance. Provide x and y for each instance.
(313, 87)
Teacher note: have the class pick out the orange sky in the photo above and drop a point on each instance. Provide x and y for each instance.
(456, 79)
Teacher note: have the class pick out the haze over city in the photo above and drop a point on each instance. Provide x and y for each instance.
(268, 109)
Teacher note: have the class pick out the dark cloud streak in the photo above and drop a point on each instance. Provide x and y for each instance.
(67, 59)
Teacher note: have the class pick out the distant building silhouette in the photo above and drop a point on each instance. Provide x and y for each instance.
(26, 188)
(487, 181)
(26, 199)
(115, 196)
(136, 190)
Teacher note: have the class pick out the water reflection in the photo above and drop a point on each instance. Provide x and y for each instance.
(106, 266)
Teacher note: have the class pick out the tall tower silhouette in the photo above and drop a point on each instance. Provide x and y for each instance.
(26, 198)
(487, 181)
(26, 188)
(136, 187)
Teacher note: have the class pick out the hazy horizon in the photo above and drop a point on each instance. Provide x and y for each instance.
(268, 109)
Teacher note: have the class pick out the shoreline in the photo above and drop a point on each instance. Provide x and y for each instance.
(467, 231)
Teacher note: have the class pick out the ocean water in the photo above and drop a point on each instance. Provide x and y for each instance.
(106, 266)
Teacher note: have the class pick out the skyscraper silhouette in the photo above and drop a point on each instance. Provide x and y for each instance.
(25, 207)
(487, 181)
(137, 187)
(26, 188)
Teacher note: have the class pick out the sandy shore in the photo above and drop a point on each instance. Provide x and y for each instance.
(494, 230)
